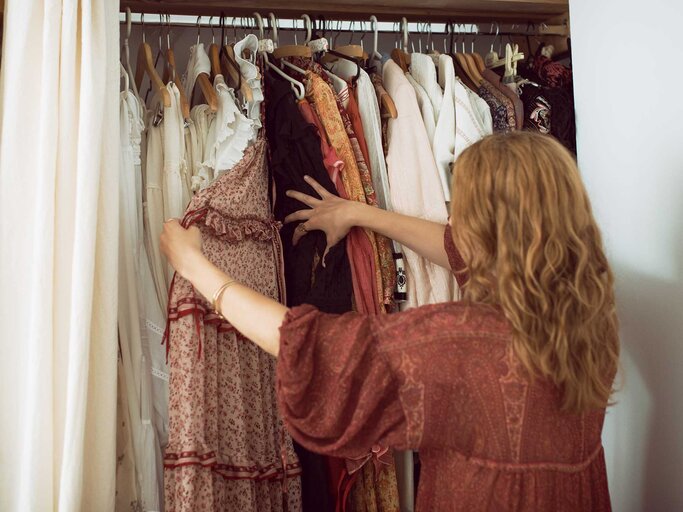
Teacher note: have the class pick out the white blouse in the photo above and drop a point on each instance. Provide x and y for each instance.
(415, 188)
(229, 133)
(154, 209)
(423, 71)
(444, 136)
(250, 73)
(472, 117)
(426, 107)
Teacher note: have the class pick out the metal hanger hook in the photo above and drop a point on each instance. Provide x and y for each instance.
(493, 41)
(362, 33)
(463, 29)
(352, 28)
(161, 31)
(404, 29)
(213, 35)
(142, 23)
(168, 31)
(199, 28)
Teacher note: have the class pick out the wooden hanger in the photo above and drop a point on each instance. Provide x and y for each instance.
(475, 60)
(204, 80)
(473, 69)
(230, 68)
(467, 64)
(293, 50)
(208, 92)
(145, 64)
(297, 50)
(401, 58)
(479, 60)
(214, 57)
(214, 53)
(171, 71)
(353, 50)
(387, 102)
(463, 75)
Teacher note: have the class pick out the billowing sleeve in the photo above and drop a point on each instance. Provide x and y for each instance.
(458, 265)
(336, 390)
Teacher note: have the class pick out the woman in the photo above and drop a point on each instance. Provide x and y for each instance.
(503, 393)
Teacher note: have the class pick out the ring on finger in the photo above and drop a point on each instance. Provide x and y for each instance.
(302, 227)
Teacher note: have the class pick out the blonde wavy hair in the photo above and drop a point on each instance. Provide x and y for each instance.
(523, 222)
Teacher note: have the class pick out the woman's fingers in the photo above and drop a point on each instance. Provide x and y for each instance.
(322, 192)
(301, 230)
(304, 198)
(299, 215)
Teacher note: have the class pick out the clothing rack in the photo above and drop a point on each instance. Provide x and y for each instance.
(464, 11)
(418, 28)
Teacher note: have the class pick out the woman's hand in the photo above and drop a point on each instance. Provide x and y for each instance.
(330, 214)
(181, 246)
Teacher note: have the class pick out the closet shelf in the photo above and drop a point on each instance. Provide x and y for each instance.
(461, 11)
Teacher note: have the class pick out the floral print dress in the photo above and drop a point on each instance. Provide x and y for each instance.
(227, 447)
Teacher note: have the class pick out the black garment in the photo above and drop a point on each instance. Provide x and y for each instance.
(550, 110)
(549, 107)
(295, 152)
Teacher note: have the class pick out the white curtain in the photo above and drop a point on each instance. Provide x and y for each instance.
(59, 150)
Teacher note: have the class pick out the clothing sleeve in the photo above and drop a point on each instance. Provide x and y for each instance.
(337, 392)
(458, 265)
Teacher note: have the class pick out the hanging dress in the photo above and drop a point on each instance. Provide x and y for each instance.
(135, 381)
(228, 449)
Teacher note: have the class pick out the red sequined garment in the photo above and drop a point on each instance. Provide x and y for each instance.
(444, 380)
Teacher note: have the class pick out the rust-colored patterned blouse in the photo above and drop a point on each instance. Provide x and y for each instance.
(441, 379)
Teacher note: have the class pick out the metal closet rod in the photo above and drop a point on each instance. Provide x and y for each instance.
(332, 26)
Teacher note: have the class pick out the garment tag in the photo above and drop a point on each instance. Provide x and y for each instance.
(401, 291)
(319, 45)
(266, 45)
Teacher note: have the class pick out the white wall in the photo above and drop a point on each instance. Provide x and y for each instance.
(628, 82)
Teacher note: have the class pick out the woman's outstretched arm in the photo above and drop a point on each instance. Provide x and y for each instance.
(254, 315)
(336, 216)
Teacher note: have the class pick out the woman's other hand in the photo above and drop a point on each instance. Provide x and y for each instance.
(330, 214)
(181, 246)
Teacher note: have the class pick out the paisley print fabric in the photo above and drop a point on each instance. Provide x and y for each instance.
(387, 268)
(323, 100)
(227, 447)
(502, 109)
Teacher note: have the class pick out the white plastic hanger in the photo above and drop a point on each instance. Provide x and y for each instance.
(265, 45)
(375, 55)
(126, 78)
(126, 54)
